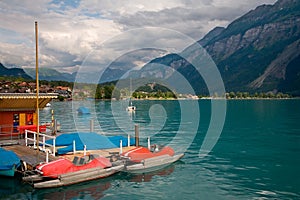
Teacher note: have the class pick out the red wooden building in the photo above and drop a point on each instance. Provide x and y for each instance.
(18, 110)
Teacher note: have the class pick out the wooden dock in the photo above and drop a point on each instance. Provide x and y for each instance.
(8, 142)
(29, 155)
(33, 157)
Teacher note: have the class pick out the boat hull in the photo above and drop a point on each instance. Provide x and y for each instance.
(9, 161)
(78, 177)
(8, 172)
(152, 164)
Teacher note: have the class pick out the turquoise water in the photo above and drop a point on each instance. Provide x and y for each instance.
(256, 156)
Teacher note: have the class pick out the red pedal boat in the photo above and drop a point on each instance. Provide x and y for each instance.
(63, 172)
(141, 159)
(63, 166)
(141, 153)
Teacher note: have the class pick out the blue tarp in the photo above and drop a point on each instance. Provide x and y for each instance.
(116, 140)
(93, 141)
(8, 159)
(83, 110)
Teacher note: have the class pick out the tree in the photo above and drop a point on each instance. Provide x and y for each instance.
(108, 89)
(232, 95)
(239, 95)
(116, 93)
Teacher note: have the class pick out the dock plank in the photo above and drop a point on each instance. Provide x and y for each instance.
(8, 142)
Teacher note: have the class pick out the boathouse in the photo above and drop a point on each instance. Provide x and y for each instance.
(18, 112)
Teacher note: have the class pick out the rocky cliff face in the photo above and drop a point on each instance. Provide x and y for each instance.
(259, 46)
(254, 52)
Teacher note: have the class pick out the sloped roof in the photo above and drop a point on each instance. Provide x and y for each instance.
(24, 101)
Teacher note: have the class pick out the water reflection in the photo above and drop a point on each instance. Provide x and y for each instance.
(97, 189)
(147, 177)
(10, 185)
(91, 190)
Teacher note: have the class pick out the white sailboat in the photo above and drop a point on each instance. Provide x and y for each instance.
(130, 107)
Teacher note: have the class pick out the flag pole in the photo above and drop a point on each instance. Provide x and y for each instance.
(37, 84)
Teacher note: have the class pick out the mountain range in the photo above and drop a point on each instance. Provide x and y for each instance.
(51, 74)
(258, 52)
(13, 72)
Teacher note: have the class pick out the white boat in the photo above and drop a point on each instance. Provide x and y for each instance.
(48, 105)
(131, 108)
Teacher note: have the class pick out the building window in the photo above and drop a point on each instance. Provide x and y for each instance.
(15, 122)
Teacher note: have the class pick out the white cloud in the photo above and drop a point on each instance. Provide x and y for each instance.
(107, 7)
(70, 30)
(16, 55)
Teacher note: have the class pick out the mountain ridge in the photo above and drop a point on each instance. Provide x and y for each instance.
(49, 74)
(257, 52)
(252, 53)
(13, 72)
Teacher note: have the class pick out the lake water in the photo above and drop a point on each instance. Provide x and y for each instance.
(255, 157)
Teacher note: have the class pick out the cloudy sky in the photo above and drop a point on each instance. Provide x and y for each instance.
(70, 30)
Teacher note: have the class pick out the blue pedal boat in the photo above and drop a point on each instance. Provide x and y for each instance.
(9, 162)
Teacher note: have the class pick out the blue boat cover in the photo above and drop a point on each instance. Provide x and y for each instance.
(83, 110)
(116, 140)
(93, 141)
(8, 159)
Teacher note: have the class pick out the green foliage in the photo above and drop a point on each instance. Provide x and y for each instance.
(14, 79)
(256, 95)
(153, 90)
(107, 92)
(61, 98)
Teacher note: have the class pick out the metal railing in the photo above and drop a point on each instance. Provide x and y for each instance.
(8, 132)
(43, 142)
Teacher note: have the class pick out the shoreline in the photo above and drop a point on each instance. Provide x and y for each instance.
(180, 99)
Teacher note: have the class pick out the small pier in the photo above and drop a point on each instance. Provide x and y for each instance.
(33, 154)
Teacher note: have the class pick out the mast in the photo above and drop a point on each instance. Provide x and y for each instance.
(130, 87)
(37, 84)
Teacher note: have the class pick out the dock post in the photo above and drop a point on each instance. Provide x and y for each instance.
(84, 150)
(92, 125)
(52, 119)
(47, 156)
(136, 130)
(121, 146)
(74, 147)
(44, 141)
(26, 143)
(54, 127)
(128, 140)
(54, 147)
(149, 143)
(34, 140)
